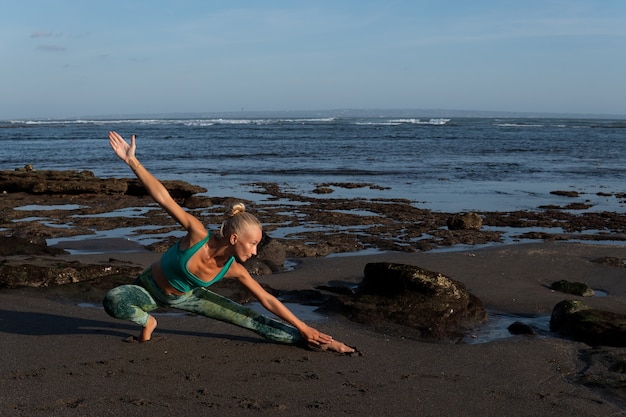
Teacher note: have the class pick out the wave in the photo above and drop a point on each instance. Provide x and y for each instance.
(184, 122)
(517, 125)
(198, 122)
(397, 122)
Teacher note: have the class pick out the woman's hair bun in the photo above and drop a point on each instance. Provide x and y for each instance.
(235, 209)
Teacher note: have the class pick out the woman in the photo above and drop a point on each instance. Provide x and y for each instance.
(179, 279)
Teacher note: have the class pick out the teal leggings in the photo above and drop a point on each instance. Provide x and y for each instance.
(133, 302)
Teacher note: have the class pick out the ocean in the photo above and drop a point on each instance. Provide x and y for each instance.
(443, 164)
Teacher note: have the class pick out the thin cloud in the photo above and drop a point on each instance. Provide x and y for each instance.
(82, 35)
(51, 48)
(42, 34)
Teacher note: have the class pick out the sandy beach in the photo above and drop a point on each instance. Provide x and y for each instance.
(62, 357)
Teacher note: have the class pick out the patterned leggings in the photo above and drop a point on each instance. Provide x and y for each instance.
(132, 302)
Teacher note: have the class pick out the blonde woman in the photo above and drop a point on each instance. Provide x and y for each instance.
(181, 277)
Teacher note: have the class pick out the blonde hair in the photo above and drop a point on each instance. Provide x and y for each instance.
(237, 219)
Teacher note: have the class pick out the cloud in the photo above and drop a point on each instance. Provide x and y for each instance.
(51, 48)
(42, 34)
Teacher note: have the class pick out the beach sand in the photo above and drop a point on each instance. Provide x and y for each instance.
(63, 358)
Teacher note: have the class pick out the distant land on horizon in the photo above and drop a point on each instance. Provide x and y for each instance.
(408, 113)
(339, 113)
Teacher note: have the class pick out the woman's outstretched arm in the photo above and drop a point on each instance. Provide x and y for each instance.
(311, 335)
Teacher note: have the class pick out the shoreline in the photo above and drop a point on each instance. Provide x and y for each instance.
(69, 207)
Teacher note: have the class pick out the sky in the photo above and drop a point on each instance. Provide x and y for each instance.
(76, 58)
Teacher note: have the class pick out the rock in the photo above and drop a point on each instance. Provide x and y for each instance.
(575, 288)
(436, 306)
(42, 269)
(12, 246)
(271, 255)
(27, 167)
(257, 267)
(46, 273)
(565, 193)
(298, 249)
(465, 221)
(179, 190)
(196, 202)
(58, 182)
(580, 322)
(611, 261)
(323, 190)
(31, 181)
(272, 252)
(521, 328)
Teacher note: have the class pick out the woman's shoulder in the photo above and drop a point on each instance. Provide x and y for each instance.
(193, 237)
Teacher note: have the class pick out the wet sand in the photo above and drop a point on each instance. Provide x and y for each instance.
(63, 358)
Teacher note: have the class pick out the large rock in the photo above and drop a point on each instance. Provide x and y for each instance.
(16, 246)
(43, 272)
(465, 221)
(435, 306)
(578, 321)
(31, 181)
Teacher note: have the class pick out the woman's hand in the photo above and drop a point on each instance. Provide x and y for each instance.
(122, 149)
(315, 337)
(326, 342)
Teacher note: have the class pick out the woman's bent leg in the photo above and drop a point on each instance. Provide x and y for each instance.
(209, 304)
(129, 302)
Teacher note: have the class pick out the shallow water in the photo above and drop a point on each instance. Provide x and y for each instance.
(496, 327)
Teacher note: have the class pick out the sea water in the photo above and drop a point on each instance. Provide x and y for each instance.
(444, 164)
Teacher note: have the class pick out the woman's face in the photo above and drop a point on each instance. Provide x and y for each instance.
(245, 243)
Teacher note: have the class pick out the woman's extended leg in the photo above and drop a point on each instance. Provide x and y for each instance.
(209, 304)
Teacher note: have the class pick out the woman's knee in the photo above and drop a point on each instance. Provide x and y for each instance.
(111, 300)
(121, 302)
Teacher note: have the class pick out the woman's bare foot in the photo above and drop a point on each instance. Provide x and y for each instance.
(146, 333)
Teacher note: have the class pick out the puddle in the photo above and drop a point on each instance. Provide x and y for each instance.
(111, 241)
(303, 312)
(97, 246)
(45, 221)
(37, 207)
(496, 327)
(364, 252)
(30, 219)
(128, 212)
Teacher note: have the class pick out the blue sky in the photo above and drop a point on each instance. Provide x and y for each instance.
(70, 58)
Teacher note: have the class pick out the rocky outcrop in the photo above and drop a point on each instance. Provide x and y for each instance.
(17, 246)
(576, 320)
(435, 306)
(47, 273)
(31, 181)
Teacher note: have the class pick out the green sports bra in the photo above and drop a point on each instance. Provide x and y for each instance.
(174, 266)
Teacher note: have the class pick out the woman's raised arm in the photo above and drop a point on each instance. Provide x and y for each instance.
(126, 152)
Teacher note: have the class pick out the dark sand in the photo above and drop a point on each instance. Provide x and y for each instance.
(62, 359)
